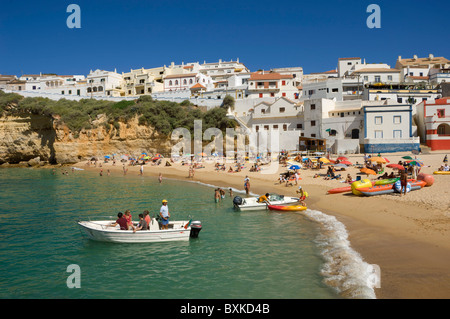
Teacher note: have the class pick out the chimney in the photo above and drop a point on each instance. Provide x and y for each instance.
(431, 56)
(399, 57)
(415, 57)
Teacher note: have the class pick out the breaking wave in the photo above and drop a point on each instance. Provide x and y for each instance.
(344, 268)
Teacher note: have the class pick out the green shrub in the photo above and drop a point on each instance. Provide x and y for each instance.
(164, 116)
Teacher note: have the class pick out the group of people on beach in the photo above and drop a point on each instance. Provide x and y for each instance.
(125, 220)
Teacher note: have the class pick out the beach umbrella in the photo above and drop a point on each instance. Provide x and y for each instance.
(367, 171)
(342, 158)
(345, 162)
(416, 163)
(324, 160)
(146, 157)
(107, 156)
(395, 166)
(340, 165)
(295, 167)
(407, 157)
(378, 159)
(202, 154)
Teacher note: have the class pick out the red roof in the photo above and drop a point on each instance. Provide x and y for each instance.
(198, 86)
(269, 76)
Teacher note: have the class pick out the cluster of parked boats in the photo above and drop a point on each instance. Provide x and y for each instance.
(366, 187)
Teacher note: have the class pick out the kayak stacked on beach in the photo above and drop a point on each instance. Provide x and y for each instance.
(367, 187)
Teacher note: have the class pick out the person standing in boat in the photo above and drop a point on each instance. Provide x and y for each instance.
(165, 215)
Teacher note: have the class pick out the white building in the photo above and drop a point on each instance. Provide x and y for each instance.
(420, 67)
(101, 82)
(433, 123)
(380, 73)
(389, 128)
(340, 123)
(400, 95)
(180, 82)
(345, 65)
(269, 84)
(222, 70)
(340, 89)
(281, 119)
(353, 126)
(437, 76)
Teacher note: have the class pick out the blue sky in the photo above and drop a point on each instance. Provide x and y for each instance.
(264, 34)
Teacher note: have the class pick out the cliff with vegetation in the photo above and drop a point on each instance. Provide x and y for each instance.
(34, 131)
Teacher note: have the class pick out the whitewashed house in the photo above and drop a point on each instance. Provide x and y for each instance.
(270, 84)
(100, 82)
(389, 128)
(340, 123)
(416, 68)
(282, 118)
(222, 70)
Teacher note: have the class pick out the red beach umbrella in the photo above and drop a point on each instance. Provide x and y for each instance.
(395, 166)
(342, 158)
(346, 162)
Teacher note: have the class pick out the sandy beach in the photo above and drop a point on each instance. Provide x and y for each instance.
(408, 237)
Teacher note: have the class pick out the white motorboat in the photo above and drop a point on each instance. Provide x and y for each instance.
(251, 203)
(100, 230)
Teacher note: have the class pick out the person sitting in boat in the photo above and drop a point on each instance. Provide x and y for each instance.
(446, 168)
(121, 221)
(142, 223)
(264, 198)
(128, 217)
(392, 175)
(165, 215)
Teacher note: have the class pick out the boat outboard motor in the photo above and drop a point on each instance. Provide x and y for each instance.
(237, 200)
(196, 227)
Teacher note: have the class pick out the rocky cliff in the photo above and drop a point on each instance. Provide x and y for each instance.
(26, 137)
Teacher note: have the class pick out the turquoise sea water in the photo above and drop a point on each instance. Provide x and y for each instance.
(260, 254)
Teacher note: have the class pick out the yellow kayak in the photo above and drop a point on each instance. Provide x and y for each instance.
(441, 173)
(287, 208)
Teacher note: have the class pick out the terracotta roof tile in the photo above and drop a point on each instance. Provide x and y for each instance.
(269, 76)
